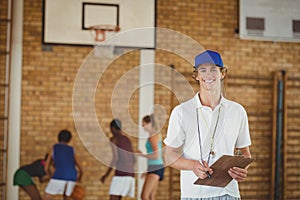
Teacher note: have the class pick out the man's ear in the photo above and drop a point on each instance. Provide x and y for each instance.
(223, 76)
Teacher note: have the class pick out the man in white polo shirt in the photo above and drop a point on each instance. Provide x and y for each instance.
(203, 129)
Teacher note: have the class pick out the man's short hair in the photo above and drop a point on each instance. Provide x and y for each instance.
(116, 123)
(64, 136)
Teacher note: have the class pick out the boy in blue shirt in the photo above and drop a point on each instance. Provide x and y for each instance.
(64, 178)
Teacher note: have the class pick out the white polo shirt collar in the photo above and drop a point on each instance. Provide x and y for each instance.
(199, 104)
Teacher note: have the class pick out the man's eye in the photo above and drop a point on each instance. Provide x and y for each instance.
(202, 70)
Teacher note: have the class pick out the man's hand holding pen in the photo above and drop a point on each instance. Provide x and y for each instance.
(202, 170)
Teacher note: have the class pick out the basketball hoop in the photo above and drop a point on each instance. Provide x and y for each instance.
(100, 31)
(99, 34)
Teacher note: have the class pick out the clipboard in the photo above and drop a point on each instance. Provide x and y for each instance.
(220, 177)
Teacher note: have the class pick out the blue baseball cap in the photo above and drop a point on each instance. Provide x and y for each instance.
(208, 56)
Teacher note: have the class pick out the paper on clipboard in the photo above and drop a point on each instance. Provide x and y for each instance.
(220, 177)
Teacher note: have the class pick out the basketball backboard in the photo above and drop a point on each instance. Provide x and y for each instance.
(70, 21)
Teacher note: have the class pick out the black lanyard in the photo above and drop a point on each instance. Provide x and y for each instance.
(212, 137)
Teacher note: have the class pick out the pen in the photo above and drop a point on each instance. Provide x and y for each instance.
(208, 174)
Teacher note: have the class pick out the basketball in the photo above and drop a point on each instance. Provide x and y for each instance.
(78, 192)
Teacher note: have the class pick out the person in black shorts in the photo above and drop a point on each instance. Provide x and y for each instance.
(155, 172)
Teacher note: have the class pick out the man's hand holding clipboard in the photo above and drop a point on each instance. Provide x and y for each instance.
(220, 177)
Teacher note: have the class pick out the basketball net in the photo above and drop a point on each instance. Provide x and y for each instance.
(98, 32)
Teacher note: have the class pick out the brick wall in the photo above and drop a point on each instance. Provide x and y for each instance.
(48, 81)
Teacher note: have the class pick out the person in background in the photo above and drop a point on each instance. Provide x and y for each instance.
(155, 172)
(123, 182)
(203, 129)
(23, 177)
(66, 165)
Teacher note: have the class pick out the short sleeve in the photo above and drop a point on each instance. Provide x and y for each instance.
(243, 139)
(175, 134)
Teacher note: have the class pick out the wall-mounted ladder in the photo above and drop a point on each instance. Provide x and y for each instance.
(5, 35)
